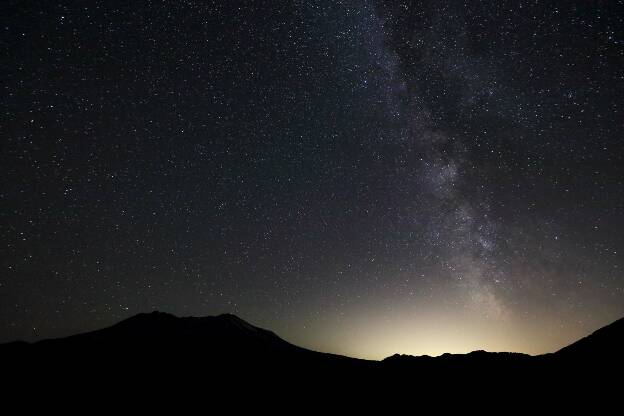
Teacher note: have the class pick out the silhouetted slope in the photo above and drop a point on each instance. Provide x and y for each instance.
(605, 343)
(156, 331)
(160, 343)
(156, 356)
(225, 346)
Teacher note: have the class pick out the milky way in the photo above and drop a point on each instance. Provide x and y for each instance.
(361, 177)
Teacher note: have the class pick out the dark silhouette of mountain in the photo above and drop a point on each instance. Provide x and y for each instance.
(223, 334)
(607, 343)
(222, 345)
(225, 349)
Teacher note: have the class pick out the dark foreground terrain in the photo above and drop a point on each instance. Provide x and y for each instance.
(226, 353)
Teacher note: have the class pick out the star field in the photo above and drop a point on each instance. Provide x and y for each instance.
(362, 177)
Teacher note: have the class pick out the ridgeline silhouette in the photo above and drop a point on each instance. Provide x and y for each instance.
(226, 347)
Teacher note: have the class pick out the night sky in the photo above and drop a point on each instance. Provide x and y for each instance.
(361, 177)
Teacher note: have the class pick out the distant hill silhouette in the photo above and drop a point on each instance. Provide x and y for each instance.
(225, 349)
(219, 344)
(605, 343)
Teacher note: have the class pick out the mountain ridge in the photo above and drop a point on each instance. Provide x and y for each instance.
(150, 325)
(226, 354)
